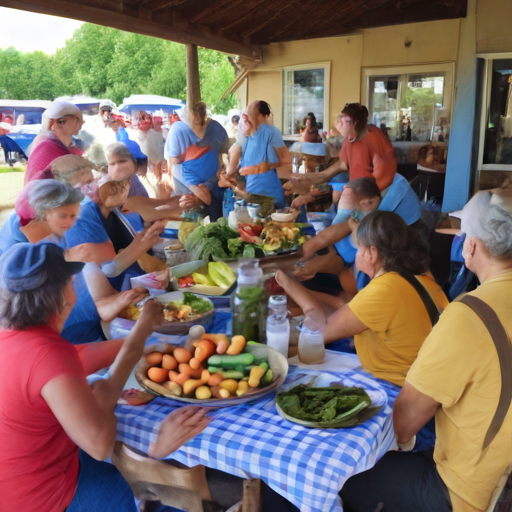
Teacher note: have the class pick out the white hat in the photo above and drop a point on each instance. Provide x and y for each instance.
(58, 109)
(107, 103)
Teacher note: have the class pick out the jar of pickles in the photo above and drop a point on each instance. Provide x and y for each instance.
(249, 303)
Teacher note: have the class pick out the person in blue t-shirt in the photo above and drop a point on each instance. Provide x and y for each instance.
(398, 198)
(259, 150)
(102, 231)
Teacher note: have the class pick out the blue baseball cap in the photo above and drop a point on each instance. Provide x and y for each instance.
(26, 266)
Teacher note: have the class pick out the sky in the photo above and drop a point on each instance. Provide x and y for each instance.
(28, 31)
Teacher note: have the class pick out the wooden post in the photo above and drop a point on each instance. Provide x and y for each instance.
(193, 87)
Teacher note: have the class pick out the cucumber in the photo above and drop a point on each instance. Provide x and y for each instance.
(227, 361)
(248, 369)
(264, 365)
(214, 369)
(233, 374)
(253, 343)
(268, 377)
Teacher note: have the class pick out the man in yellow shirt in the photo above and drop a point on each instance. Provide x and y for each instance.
(457, 377)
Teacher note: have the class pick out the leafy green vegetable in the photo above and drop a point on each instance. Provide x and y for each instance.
(221, 274)
(327, 407)
(235, 245)
(212, 247)
(197, 304)
(249, 251)
(211, 241)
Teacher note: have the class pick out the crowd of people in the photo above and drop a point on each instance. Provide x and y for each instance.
(85, 223)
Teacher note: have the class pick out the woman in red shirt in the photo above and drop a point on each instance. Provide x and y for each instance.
(366, 152)
(48, 410)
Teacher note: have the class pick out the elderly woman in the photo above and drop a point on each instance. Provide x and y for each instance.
(58, 427)
(49, 210)
(61, 121)
(457, 378)
(388, 318)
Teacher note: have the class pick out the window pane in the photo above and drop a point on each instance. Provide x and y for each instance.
(422, 115)
(383, 108)
(498, 133)
(304, 92)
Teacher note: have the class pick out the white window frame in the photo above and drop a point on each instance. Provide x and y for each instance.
(327, 93)
(448, 68)
(484, 114)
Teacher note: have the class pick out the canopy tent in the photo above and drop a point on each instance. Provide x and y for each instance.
(149, 103)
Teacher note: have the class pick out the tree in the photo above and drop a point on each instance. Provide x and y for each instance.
(108, 63)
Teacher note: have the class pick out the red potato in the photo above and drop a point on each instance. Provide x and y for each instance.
(154, 358)
(222, 346)
(169, 362)
(195, 373)
(178, 378)
(215, 379)
(158, 374)
(182, 355)
(215, 391)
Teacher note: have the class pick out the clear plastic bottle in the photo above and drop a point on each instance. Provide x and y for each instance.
(249, 303)
(278, 325)
(311, 343)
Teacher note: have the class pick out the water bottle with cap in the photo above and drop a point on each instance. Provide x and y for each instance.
(311, 343)
(278, 325)
(249, 303)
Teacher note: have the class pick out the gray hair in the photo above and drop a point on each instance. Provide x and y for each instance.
(119, 149)
(498, 237)
(48, 194)
(21, 310)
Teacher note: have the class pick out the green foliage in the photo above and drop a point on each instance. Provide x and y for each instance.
(108, 63)
(7, 168)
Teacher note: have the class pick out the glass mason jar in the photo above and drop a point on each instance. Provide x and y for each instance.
(249, 303)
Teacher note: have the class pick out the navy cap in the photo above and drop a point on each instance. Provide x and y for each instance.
(28, 266)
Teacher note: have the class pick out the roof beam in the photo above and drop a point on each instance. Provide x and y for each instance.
(202, 14)
(270, 19)
(179, 31)
(250, 13)
(158, 5)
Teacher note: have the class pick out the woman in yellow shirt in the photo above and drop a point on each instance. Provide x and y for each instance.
(387, 319)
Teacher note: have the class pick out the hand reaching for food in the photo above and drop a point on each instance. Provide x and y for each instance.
(151, 317)
(178, 428)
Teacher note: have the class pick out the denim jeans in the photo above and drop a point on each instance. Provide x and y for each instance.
(101, 488)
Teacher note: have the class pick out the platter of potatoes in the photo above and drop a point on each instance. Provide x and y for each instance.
(217, 371)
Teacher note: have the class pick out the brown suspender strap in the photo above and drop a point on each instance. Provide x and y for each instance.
(504, 349)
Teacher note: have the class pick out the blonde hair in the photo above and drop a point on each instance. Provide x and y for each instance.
(65, 166)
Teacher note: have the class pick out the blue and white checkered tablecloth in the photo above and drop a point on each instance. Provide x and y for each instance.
(306, 466)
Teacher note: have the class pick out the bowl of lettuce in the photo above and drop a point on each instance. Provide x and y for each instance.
(335, 406)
